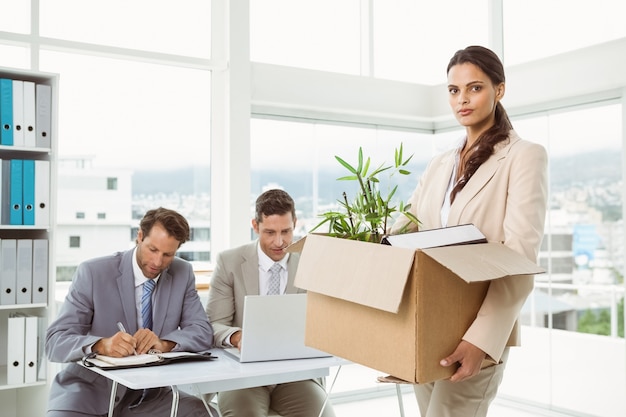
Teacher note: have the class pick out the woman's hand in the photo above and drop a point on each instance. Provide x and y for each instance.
(469, 357)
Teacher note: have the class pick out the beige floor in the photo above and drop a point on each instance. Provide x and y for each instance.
(355, 392)
(388, 407)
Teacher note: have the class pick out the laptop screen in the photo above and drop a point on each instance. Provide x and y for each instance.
(273, 328)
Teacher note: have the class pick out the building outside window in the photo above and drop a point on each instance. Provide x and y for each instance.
(74, 241)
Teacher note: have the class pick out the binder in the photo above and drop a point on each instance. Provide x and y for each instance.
(40, 271)
(24, 267)
(8, 272)
(28, 192)
(5, 193)
(6, 112)
(15, 350)
(42, 372)
(31, 348)
(30, 134)
(16, 192)
(42, 193)
(43, 97)
(18, 113)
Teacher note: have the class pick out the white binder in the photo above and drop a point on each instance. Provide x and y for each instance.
(42, 193)
(40, 271)
(42, 371)
(31, 348)
(15, 350)
(8, 273)
(18, 113)
(30, 133)
(43, 97)
(24, 271)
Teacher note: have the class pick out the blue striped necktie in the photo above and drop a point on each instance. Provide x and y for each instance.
(146, 304)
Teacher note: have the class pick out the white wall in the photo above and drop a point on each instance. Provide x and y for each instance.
(568, 371)
(589, 74)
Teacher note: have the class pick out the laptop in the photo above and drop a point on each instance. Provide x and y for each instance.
(273, 329)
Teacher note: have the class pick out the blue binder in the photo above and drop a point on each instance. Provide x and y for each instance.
(16, 191)
(6, 111)
(5, 198)
(28, 197)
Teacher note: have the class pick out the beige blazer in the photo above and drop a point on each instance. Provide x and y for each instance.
(236, 275)
(506, 199)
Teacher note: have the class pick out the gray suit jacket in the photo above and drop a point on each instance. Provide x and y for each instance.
(103, 293)
(236, 275)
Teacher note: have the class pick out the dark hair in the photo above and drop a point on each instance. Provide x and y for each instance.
(274, 202)
(173, 222)
(490, 64)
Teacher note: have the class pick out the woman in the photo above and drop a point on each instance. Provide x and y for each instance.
(498, 182)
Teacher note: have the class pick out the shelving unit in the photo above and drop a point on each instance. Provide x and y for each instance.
(30, 398)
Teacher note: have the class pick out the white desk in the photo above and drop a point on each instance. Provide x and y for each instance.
(221, 374)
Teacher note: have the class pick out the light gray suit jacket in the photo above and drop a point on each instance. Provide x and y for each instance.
(236, 275)
(506, 199)
(103, 293)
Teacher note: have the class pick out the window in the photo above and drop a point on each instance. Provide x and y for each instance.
(149, 25)
(102, 216)
(310, 175)
(567, 24)
(201, 233)
(80, 215)
(575, 306)
(14, 56)
(74, 241)
(15, 17)
(323, 34)
(403, 33)
(340, 37)
(111, 183)
(148, 148)
(583, 245)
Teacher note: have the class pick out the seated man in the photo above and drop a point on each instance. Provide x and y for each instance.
(109, 290)
(246, 271)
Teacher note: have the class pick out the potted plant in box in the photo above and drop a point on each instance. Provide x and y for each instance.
(367, 216)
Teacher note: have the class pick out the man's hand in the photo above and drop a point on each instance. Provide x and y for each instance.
(146, 340)
(235, 339)
(469, 357)
(119, 345)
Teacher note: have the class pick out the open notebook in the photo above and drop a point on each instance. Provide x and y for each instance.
(151, 358)
(273, 329)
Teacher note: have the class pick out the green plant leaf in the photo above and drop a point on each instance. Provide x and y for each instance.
(346, 165)
(366, 215)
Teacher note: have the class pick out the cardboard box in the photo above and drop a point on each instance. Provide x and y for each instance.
(394, 309)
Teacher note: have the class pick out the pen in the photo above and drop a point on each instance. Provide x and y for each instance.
(122, 329)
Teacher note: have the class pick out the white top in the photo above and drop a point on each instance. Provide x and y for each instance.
(445, 208)
(265, 263)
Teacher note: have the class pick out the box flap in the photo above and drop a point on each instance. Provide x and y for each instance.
(365, 273)
(296, 246)
(483, 261)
